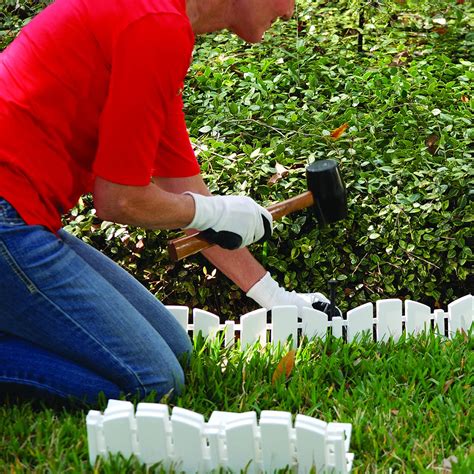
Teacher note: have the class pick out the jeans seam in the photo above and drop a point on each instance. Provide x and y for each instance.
(16, 268)
(33, 383)
(5, 211)
(110, 353)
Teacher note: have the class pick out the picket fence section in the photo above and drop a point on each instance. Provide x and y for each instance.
(233, 441)
(389, 320)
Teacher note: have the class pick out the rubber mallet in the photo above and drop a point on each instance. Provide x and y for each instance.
(327, 195)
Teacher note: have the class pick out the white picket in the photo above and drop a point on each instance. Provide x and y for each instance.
(119, 427)
(215, 434)
(284, 325)
(189, 442)
(221, 418)
(418, 317)
(359, 321)
(276, 440)
(234, 441)
(241, 441)
(460, 315)
(205, 323)
(388, 322)
(95, 437)
(310, 444)
(253, 328)
(154, 433)
(389, 319)
(336, 442)
(314, 323)
(181, 313)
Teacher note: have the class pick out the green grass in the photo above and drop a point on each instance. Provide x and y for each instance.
(410, 404)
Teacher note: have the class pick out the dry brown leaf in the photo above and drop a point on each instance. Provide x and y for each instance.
(285, 366)
(337, 132)
(431, 143)
(280, 169)
(301, 26)
(281, 172)
(400, 59)
(464, 98)
(447, 385)
(441, 31)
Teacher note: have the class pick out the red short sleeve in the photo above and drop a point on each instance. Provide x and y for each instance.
(149, 63)
(175, 157)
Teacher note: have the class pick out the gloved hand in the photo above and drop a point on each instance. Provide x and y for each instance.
(268, 293)
(230, 221)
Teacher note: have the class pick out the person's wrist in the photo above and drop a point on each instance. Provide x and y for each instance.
(266, 292)
(202, 211)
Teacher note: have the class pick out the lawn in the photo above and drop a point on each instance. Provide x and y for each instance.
(399, 75)
(409, 402)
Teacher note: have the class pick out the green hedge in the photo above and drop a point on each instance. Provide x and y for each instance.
(406, 156)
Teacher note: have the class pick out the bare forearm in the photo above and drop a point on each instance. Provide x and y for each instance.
(149, 206)
(238, 265)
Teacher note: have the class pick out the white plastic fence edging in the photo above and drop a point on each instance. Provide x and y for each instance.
(234, 441)
(389, 319)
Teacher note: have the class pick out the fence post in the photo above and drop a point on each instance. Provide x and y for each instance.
(154, 433)
(284, 325)
(95, 436)
(188, 440)
(460, 315)
(119, 427)
(418, 317)
(276, 440)
(314, 323)
(205, 323)
(389, 319)
(253, 328)
(360, 320)
(242, 444)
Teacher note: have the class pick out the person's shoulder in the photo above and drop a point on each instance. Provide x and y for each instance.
(177, 7)
(168, 11)
(136, 9)
(111, 18)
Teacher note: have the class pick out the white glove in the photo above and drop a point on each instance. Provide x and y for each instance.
(230, 221)
(268, 293)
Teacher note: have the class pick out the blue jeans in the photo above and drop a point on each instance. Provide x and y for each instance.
(74, 324)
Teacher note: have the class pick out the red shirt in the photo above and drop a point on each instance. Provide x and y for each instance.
(93, 88)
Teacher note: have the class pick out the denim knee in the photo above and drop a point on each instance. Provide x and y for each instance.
(161, 381)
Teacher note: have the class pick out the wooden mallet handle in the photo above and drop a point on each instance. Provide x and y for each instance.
(190, 244)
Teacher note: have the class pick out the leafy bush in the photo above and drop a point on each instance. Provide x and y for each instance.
(405, 156)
